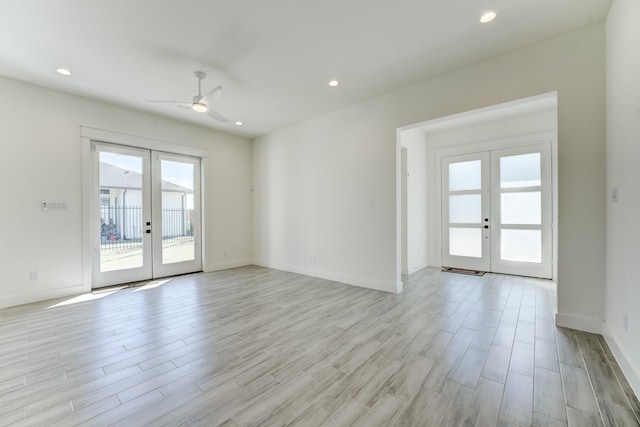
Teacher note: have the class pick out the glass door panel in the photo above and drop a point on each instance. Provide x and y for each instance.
(521, 245)
(465, 242)
(465, 209)
(523, 170)
(521, 208)
(177, 211)
(120, 212)
(465, 175)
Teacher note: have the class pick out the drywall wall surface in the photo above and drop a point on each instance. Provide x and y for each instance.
(415, 142)
(327, 187)
(316, 201)
(623, 173)
(496, 129)
(40, 137)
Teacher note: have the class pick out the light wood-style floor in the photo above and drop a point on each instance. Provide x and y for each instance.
(254, 346)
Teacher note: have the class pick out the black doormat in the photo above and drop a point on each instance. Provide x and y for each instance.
(462, 271)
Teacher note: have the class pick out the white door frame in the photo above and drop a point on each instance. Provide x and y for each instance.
(89, 134)
(497, 144)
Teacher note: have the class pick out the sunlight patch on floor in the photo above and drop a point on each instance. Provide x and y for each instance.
(152, 285)
(82, 298)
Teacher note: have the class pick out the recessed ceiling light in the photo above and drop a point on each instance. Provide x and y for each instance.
(63, 71)
(488, 16)
(333, 83)
(239, 123)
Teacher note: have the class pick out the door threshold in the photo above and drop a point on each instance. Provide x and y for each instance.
(120, 286)
(111, 288)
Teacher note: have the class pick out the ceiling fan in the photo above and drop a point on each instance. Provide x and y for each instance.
(201, 103)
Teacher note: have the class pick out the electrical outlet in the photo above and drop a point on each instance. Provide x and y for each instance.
(34, 275)
(625, 321)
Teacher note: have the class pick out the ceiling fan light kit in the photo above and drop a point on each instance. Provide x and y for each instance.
(202, 103)
(199, 107)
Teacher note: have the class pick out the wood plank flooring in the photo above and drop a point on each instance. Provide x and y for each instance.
(253, 346)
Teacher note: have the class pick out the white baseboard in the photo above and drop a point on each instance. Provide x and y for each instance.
(406, 270)
(44, 295)
(630, 370)
(336, 277)
(416, 268)
(227, 265)
(586, 324)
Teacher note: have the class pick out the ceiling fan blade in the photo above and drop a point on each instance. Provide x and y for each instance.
(167, 100)
(217, 116)
(212, 96)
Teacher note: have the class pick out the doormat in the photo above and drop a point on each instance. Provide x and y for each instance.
(461, 271)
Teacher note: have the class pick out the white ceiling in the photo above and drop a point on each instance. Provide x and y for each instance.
(274, 58)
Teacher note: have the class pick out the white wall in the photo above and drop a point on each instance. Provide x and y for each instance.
(324, 199)
(488, 131)
(623, 155)
(41, 159)
(328, 186)
(416, 205)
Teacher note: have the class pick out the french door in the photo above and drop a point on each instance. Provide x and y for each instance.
(146, 215)
(497, 211)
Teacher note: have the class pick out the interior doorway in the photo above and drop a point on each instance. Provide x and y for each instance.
(420, 150)
(145, 217)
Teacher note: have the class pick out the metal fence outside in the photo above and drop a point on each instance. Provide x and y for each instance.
(122, 227)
